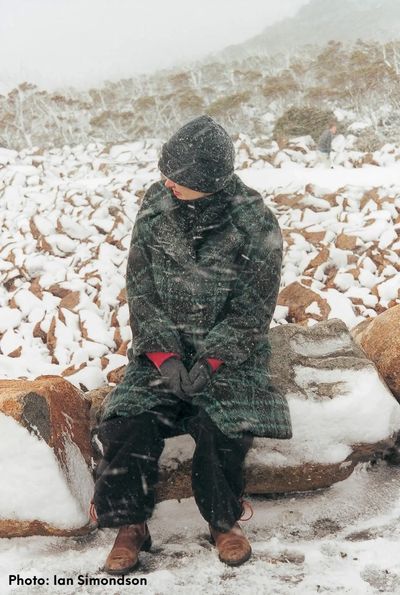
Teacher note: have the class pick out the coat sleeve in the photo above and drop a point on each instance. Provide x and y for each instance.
(244, 327)
(152, 329)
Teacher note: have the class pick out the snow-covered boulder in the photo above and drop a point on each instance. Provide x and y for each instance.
(46, 458)
(380, 339)
(342, 412)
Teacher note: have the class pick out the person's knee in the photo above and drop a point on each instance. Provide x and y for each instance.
(206, 433)
(117, 432)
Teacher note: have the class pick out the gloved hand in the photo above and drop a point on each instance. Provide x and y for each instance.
(199, 377)
(174, 376)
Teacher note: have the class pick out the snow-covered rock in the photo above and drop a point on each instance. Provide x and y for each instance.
(46, 457)
(303, 304)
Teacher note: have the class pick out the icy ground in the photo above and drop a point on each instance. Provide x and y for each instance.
(341, 540)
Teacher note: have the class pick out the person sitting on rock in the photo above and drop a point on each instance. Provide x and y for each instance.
(202, 282)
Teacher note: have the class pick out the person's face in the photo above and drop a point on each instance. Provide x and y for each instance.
(183, 193)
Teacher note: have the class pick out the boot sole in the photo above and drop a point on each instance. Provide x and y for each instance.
(144, 548)
(233, 562)
(236, 562)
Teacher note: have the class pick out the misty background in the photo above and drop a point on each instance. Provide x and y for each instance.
(56, 43)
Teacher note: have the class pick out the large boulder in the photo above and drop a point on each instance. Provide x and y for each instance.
(46, 457)
(380, 340)
(342, 414)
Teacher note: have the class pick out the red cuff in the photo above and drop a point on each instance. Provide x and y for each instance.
(214, 363)
(159, 357)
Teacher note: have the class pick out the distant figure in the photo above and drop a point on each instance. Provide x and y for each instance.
(325, 146)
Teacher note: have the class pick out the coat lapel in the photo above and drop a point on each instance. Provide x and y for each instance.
(169, 238)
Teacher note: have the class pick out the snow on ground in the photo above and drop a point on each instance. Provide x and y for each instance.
(66, 217)
(294, 177)
(340, 540)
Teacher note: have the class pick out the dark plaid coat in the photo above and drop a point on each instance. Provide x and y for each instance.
(202, 281)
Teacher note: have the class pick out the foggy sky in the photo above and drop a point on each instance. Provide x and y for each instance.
(82, 42)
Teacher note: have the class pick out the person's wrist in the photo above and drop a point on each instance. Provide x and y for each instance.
(158, 358)
(214, 363)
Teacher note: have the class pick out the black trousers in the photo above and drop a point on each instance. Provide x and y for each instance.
(128, 472)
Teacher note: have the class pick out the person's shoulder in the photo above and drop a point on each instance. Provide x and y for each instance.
(154, 195)
(249, 210)
(154, 201)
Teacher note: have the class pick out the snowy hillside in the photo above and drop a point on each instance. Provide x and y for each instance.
(320, 21)
(247, 95)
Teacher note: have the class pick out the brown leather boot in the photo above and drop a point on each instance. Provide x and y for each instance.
(124, 556)
(233, 546)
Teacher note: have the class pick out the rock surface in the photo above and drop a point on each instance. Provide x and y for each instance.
(380, 339)
(56, 413)
(341, 410)
(299, 299)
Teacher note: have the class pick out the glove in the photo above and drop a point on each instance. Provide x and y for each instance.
(199, 377)
(174, 376)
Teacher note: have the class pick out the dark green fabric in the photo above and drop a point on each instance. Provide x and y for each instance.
(202, 281)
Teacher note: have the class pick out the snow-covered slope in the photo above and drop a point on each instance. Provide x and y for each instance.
(66, 216)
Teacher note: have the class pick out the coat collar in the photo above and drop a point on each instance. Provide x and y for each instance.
(175, 224)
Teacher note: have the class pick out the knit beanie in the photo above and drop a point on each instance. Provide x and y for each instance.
(200, 156)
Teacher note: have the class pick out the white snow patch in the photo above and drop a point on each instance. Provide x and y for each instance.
(33, 479)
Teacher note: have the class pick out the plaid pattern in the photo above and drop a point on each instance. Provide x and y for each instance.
(202, 281)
